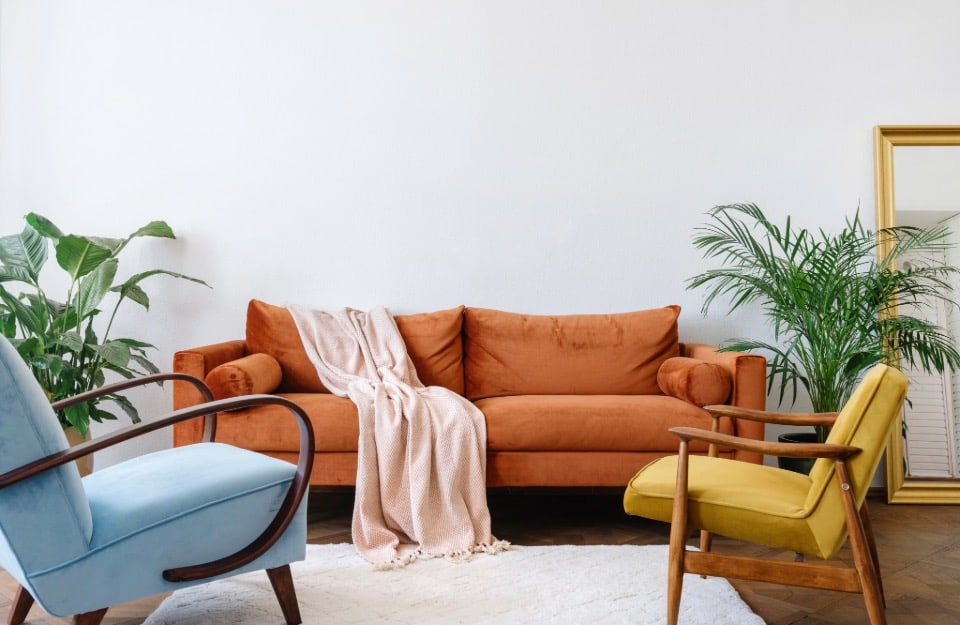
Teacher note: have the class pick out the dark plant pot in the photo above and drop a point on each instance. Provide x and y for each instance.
(798, 465)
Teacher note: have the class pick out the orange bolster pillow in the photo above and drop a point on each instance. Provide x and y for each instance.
(256, 373)
(696, 381)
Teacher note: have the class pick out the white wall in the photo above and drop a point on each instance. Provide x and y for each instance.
(536, 156)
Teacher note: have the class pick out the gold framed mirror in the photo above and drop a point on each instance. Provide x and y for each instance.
(923, 188)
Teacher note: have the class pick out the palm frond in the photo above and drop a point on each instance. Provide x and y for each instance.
(830, 297)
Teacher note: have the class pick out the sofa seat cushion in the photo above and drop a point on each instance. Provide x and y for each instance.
(272, 428)
(515, 423)
(590, 422)
(617, 354)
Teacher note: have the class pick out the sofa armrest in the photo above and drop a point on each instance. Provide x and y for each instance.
(749, 375)
(198, 362)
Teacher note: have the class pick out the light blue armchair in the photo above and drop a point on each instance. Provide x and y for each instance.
(150, 525)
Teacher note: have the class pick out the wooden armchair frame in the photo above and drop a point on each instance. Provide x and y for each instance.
(280, 578)
(864, 577)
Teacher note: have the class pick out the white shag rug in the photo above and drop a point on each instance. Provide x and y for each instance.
(559, 585)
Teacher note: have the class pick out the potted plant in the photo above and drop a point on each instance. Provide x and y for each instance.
(67, 341)
(835, 305)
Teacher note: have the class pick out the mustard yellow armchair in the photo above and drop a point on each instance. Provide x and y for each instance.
(806, 514)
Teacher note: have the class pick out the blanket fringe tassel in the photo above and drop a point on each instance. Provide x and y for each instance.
(461, 555)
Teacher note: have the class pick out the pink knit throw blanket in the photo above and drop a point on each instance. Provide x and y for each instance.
(421, 474)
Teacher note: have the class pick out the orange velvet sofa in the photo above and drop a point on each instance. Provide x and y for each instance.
(570, 400)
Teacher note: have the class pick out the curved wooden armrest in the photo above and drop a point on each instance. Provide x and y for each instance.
(209, 419)
(266, 539)
(791, 450)
(782, 418)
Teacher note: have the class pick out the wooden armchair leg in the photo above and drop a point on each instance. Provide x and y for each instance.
(90, 618)
(22, 602)
(872, 544)
(706, 541)
(282, 581)
(867, 568)
(872, 592)
(678, 539)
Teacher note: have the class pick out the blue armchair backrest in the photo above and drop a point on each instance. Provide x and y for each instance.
(45, 519)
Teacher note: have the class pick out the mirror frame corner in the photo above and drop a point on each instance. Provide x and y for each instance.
(886, 138)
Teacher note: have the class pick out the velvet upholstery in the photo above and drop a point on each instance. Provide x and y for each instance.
(748, 387)
(139, 505)
(47, 519)
(270, 330)
(435, 346)
(81, 545)
(555, 439)
(523, 422)
(505, 353)
(589, 422)
(268, 428)
(585, 469)
(694, 381)
(432, 340)
(811, 514)
(256, 373)
(775, 507)
(198, 362)
(580, 469)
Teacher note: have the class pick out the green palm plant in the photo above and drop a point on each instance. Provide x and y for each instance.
(837, 306)
(58, 338)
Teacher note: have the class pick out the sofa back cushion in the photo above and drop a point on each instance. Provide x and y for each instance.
(433, 342)
(271, 330)
(617, 354)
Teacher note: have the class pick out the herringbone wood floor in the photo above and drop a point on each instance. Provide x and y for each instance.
(919, 552)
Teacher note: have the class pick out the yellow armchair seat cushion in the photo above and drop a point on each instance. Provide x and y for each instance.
(741, 500)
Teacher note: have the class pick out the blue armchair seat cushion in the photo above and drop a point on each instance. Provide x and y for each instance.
(145, 520)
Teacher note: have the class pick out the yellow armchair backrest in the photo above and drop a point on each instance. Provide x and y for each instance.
(864, 422)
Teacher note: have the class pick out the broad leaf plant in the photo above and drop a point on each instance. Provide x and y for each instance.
(67, 342)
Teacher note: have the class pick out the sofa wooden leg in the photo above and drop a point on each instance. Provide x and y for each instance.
(282, 581)
(22, 602)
